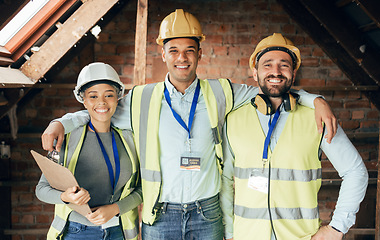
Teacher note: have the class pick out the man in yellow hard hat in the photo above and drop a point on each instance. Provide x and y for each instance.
(177, 127)
(271, 181)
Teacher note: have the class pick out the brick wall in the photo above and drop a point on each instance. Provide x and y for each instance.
(232, 30)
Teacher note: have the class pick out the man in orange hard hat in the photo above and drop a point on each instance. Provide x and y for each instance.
(177, 127)
(271, 181)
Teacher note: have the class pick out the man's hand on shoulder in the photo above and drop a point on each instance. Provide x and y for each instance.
(55, 130)
(327, 233)
(323, 113)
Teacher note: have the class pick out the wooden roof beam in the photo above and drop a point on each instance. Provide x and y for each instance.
(140, 42)
(371, 7)
(67, 35)
(347, 35)
(330, 46)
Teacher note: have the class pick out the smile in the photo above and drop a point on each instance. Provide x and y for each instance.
(101, 110)
(182, 67)
(274, 80)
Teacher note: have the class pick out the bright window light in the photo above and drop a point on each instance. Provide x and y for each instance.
(27, 13)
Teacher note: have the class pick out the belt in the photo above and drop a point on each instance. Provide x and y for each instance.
(187, 206)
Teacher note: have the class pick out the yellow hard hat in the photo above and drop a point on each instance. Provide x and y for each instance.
(179, 24)
(276, 42)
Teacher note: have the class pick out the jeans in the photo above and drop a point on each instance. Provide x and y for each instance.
(75, 231)
(200, 220)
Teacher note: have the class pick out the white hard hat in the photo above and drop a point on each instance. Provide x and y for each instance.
(95, 72)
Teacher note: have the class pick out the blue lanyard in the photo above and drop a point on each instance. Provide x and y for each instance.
(113, 179)
(192, 109)
(271, 125)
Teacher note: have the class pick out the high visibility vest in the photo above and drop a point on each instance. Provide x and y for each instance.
(295, 173)
(145, 116)
(74, 142)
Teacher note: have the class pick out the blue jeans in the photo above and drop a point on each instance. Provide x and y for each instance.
(75, 231)
(200, 220)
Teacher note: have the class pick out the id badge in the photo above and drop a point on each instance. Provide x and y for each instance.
(258, 181)
(190, 161)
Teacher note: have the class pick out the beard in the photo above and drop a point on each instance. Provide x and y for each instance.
(275, 91)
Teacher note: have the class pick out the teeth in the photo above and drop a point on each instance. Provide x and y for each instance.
(101, 110)
(183, 67)
(274, 80)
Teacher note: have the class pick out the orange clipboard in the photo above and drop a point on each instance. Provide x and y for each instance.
(59, 178)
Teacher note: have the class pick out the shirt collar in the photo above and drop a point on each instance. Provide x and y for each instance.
(172, 89)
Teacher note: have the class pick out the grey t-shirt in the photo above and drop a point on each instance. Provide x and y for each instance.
(92, 174)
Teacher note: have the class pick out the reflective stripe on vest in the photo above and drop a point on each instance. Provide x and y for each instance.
(147, 174)
(145, 115)
(74, 142)
(283, 174)
(295, 175)
(279, 213)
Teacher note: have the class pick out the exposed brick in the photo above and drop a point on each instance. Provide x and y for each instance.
(350, 125)
(215, 39)
(109, 48)
(103, 37)
(224, 62)
(43, 218)
(312, 82)
(129, 49)
(326, 62)
(334, 73)
(50, 91)
(318, 52)
(288, 29)
(370, 124)
(214, 72)
(236, 39)
(305, 51)
(232, 31)
(344, 82)
(354, 95)
(357, 104)
(344, 114)
(111, 59)
(27, 219)
(373, 114)
(358, 114)
(31, 113)
(310, 62)
(220, 50)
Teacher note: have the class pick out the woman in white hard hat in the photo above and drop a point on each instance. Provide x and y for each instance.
(103, 160)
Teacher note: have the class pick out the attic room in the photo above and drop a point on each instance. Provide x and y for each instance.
(339, 42)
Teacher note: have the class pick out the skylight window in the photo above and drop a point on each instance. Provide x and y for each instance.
(27, 13)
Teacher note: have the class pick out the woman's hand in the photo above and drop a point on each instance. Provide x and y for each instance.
(76, 195)
(103, 214)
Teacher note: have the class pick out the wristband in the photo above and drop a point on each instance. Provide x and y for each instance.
(335, 229)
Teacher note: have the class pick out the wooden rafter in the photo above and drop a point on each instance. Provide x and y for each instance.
(371, 7)
(67, 35)
(140, 42)
(348, 36)
(341, 47)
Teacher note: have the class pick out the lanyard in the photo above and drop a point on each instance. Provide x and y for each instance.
(113, 179)
(192, 109)
(271, 125)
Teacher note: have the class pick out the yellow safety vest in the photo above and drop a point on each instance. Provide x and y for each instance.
(295, 175)
(145, 115)
(130, 220)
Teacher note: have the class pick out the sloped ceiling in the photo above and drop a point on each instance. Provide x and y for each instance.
(349, 33)
(67, 32)
(347, 30)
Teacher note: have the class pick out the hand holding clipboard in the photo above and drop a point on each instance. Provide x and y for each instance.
(59, 178)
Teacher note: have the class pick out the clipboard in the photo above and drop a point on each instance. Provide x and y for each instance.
(59, 178)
